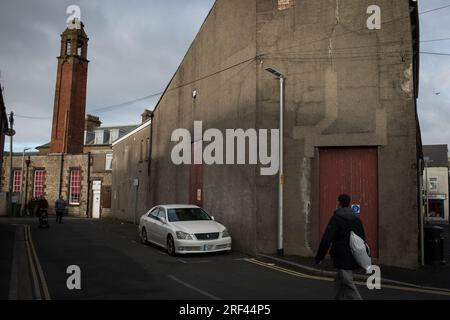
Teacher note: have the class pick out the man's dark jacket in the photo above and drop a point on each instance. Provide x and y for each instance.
(337, 234)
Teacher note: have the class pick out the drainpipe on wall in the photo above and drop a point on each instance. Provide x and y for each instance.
(61, 172)
(28, 161)
(150, 159)
(136, 186)
(89, 185)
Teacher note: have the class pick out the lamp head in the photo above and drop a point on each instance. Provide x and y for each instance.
(275, 73)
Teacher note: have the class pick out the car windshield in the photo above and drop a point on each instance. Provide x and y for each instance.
(187, 214)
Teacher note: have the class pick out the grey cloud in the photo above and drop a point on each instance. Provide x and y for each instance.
(135, 47)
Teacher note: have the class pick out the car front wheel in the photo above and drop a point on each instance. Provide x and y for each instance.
(170, 246)
(144, 236)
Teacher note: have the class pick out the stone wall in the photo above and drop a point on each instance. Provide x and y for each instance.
(57, 173)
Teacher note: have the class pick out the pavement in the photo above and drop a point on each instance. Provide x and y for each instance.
(435, 275)
(115, 265)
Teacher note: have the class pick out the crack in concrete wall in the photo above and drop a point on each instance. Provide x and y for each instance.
(305, 187)
(330, 45)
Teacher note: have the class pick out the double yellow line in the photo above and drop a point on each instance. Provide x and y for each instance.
(39, 283)
(418, 289)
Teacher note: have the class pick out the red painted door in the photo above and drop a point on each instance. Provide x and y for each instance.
(196, 179)
(353, 171)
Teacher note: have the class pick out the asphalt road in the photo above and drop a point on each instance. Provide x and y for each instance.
(115, 265)
(7, 233)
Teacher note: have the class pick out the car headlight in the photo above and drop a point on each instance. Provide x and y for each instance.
(225, 234)
(183, 235)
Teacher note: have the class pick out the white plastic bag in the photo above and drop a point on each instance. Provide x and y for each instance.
(360, 251)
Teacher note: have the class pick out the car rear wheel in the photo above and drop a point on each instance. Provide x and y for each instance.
(170, 246)
(144, 236)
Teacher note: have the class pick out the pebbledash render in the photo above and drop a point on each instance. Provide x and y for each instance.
(350, 121)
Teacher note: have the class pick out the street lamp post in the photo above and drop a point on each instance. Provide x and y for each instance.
(136, 185)
(281, 78)
(10, 133)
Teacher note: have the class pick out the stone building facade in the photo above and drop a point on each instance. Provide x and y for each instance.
(93, 164)
(50, 176)
(3, 130)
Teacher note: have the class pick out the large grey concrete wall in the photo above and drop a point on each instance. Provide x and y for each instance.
(346, 86)
(224, 100)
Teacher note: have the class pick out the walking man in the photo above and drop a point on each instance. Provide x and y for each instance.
(60, 207)
(337, 235)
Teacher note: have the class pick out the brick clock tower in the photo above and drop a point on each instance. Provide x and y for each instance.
(70, 94)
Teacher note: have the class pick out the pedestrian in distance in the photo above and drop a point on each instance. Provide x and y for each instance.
(337, 236)
(33, 206)
(42, 205)
(42, 209)
(60, 207)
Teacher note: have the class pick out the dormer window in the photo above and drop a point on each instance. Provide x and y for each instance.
(113, 135)
(99, 137)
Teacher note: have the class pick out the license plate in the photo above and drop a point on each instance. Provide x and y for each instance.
(207, 247)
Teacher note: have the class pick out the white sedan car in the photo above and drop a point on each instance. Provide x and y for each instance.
(183, 229)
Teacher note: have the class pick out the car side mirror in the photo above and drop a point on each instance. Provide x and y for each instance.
(163, 220)
(212, 218)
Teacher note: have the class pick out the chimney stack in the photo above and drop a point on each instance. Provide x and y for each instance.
(91, 122)
(146, 115)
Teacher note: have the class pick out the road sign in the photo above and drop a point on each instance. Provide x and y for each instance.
(356, 208)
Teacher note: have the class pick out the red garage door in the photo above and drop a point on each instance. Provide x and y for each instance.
(353, 171)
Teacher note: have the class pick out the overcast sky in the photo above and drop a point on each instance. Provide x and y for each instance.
(136, 46)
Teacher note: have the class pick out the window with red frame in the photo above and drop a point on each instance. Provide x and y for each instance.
(17, 182)
(38, 186)
(75, 187)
